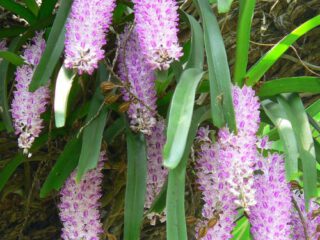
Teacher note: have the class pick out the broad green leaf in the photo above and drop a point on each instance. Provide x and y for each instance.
(176, 220)
(4, 108)
(180, 116)
(64, 165)
(92, 134)
(32, 6)
(159, 202)
(54, 48)
(280, 119)
(267, 60)
(46, 8)
(18, 9)
(136, 185)
(299, 120)
(114, 129)
(61, 95)
(290, 84)
(314, 108)
(224, 5)
(11, 57)
(11, 32)
(242, 230)
(243, 39)
(196, 56)
(219, 76)
(9, 169)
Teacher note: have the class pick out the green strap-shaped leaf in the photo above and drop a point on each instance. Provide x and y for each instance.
(300, 124)
(176, 220)
(279, 117)
(289, 85)
(92, 134)
(224, 5)
(159, 202)
(136, 185)
(243, 40)
(32, 6)
(242, 230)
(19, 10)
(11, 57)
(54, 47)
(180, 116)
(66, 162)
(11, 32)
(267, 60)
(61, 95)
(196, 56)
(46, 8)
(219, 76)
(4, 108)
(314, 108)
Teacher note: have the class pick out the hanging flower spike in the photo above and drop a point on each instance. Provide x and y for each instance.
(241, 148)
(27, 107)
(270, 217)
(157, 174)
(219, 207)
(79, 206)
(140, 80)
(86, 27)
(157, 28)
(311, 219)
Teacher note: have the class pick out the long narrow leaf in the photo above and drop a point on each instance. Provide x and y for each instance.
(196, 56)
(289, 85)
(280, 119)
(32, 6)
(66, 162)
(176, 221)
(299, 120)
(93, 133)
(180, 116)
(136, 186)
(219, 76)
(63, 87)
(265, 63)
(224, 5)
(54, 48)
(4, 108)
(243, 40)
(46, 8)
(11, 57)
(19, 10)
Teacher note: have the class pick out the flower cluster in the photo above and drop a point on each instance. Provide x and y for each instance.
(310, 222)
(79, 206)
(212, 175)
(26, 106)
(139, 80)
(156, 172)
(241, 148)
(86, 27)
(270, 217)
(157, 27)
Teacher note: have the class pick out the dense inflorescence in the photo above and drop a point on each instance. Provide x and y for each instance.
(270, 217)
(241, 148)
(86, 27)
(27, 106)
(212, 177)
(157, 174)
(139, 80)
(310, 222)
(79, 206)
(157, 28)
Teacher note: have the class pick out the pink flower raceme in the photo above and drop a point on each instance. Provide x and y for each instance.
(157, 28)
(156, 172)
(26, 106)
(310, 222)
(79, 206)
(270, 217)
(86, 28)
(140, 80)
(212, 177)
(240, 150)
